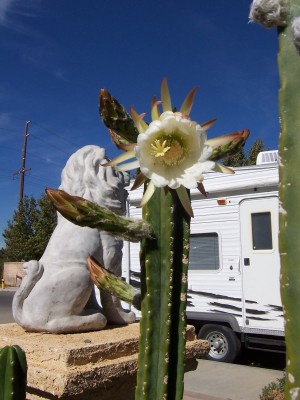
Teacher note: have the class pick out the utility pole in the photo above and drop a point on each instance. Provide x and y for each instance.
(23, 169)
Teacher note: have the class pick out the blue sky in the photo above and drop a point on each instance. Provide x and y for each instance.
(56, 55)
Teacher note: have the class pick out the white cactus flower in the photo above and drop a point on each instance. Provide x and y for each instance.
(171, 152)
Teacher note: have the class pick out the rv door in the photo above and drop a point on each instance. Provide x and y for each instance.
(262, 307)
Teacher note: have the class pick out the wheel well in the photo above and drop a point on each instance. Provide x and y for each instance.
(199, 324)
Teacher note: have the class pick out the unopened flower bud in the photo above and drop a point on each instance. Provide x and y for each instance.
(116, 118)
(82, 212)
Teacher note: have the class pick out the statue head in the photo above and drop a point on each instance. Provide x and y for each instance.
(85, 176)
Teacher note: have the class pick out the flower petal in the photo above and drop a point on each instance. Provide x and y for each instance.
(122, 157)
(201, 189)
(148, 194)
(126, 147)
(185, 200)
(155, 114)
(223, 169)
(139, 180)
(165, 96)
(188, 102)
(140, 124)
(206, 125)
(128, 166)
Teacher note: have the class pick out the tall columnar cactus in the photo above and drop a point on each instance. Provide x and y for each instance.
(13, 373)
(289, 150)
(164, 264)
(283, 14)
(171, 154)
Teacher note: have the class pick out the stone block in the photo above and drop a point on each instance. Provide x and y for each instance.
(86, 366)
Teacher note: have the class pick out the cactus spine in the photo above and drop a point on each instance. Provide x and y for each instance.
(289, 191)
(164, 263)
(13, 373)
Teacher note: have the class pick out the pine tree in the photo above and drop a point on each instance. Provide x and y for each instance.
(2, 258)
(237, 160)
(19, 230)
(29, 231)
(256, 148)
(43, 225)
(240, 159)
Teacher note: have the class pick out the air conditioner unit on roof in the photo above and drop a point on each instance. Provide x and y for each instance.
(267, 157)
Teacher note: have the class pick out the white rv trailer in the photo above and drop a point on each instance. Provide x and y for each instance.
(234, 269)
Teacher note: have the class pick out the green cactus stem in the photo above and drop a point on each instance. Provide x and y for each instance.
(289, 192)
(13, 373)
(164, 264)
(82, 212)
(110, 283)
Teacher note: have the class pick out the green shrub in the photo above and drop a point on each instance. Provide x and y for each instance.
(274, 391)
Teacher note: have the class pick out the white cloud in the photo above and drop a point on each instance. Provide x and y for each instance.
(11, 10)
(5, 6)
(5, 119)
(43, 59)
(35, 49)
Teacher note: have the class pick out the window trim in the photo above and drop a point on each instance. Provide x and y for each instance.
(263, 251)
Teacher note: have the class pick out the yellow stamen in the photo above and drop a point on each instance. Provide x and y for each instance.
(159, 148)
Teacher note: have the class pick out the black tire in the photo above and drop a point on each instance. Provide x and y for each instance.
(224, 344)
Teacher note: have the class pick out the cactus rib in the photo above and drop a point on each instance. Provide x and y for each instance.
(13, 373)
(289, 192)
(164, 274)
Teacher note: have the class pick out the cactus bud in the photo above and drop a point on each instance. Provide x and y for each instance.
(227, 145)
(85, 213)
(116, 117)
(110, 283)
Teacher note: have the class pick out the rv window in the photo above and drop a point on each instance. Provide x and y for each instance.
(204, 252)
(261, 231)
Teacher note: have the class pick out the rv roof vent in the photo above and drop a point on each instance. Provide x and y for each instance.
(267, 157)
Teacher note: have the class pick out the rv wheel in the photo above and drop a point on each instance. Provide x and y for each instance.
(224, 344)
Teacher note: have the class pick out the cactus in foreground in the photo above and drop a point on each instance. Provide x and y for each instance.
(13, 373)
(164, 264)
(286, 12)
(289, 192)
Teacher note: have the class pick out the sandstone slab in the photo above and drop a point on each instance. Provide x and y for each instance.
(86, 366)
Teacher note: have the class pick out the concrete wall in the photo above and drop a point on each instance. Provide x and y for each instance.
(13, 273)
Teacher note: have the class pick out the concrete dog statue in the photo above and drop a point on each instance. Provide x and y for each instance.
(56, 294)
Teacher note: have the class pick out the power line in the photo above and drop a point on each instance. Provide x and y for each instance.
(45, 159)
(8, 130)
(32, 155)
(77, 146)
(50, 144)
(38, 178)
